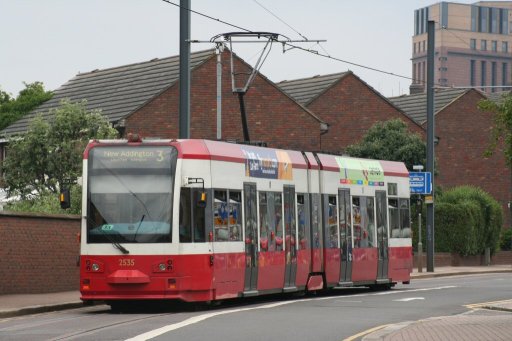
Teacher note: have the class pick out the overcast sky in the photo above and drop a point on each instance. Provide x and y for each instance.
(53, 40)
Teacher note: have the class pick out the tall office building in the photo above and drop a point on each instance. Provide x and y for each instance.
(473, 45)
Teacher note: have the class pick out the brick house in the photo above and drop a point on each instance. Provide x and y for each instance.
(464, 135)
(348, 104)
(144, 98)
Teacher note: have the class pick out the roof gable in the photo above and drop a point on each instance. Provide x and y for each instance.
(117, 91)
(306, 90)
(415, 106)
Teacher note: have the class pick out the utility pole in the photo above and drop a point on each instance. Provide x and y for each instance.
(184, 69)
(430, 141)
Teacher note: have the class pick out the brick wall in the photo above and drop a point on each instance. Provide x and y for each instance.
(464, 133)
(38, 253)
(272, 116)
(351, 107)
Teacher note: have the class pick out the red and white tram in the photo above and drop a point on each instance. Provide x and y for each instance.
(200, 220)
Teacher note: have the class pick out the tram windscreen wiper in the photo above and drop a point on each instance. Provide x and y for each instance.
(115, 244)
(111, 240)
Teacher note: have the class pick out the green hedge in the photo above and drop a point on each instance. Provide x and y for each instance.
(467, 220)
(456, 228)
(488, 221)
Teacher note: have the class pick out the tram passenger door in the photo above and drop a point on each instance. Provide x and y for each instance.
(251, 239)
(345, 238)
(382, 235)
(290, 238)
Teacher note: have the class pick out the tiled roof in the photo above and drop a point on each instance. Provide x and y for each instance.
(118, 91)
(305, 90)
(415, 106)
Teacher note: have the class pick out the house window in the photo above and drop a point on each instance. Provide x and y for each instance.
(493, 75)
(483, 45)
(483, 73)
(494, 45)
(504, 70)
(504, 46)
(472, 72)
(472, 44)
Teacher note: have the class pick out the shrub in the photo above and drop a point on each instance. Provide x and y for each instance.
(455, 228)
(48, 202)
(506, 240)
(487, 220)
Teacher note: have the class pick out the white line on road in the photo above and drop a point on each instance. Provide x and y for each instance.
(195, 319)
(408, 299)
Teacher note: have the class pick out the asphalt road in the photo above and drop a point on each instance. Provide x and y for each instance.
(336, 315)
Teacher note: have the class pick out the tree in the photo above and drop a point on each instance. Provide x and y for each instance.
(50, 153)
(502, 129)
(28, 99)
(390, 140)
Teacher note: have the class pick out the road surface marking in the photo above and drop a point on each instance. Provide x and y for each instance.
(484, 304)
(195, 319)
(363, 333)
(409, 299)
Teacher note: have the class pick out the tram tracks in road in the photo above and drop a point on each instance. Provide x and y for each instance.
(85, 332)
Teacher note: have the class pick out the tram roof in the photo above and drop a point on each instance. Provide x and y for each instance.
(231, 152)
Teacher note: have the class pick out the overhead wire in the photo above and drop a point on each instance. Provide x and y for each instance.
(281, 20)
(326, 55)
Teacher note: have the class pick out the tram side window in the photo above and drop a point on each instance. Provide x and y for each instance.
(278, 218)
(363, 210)
(303, 217)
(405, 218)
(235, 215)
(399, 218)
(356, 213)
(370, 221)
(394, 218)
(264, 222)
(227, 217)
(316, 222)
(332, 219)
(271, 222)
(220, 215)
(192, 217)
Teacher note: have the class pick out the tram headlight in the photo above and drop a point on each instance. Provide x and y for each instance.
(95, 267)
(162, 267)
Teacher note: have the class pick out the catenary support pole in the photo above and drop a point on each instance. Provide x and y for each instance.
(184, 69)
(430, 141)
(219, 91)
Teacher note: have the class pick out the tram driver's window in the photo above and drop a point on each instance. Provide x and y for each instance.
(185, 228)
(192, 217)
(198, 217)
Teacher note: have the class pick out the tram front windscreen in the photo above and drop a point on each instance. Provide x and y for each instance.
(129, 194)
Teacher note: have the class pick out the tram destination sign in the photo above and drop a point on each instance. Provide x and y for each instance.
(420, 182)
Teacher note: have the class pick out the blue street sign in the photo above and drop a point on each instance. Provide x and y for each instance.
(420, 182)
